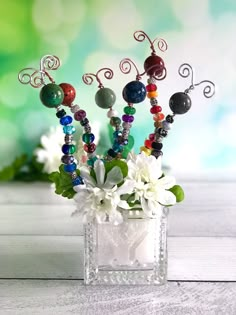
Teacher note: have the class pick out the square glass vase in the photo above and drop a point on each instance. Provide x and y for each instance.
(133, 252)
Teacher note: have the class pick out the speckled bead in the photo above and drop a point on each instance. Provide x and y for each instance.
(105, 98)
(51, 95)
(134, 92)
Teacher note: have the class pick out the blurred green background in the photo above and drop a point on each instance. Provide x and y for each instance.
(87, 35)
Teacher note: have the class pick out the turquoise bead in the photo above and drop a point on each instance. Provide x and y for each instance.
(88, 137)
(51, 95)
(69, 130)
(105, 98)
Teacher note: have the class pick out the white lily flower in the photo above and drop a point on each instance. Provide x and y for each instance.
(100, 199)
(150, 188)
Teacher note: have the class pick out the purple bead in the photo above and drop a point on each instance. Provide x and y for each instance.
(128, 118)
(80, 115)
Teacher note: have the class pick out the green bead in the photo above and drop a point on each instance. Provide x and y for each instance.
(72, 149)
(51, 95)
(105, 98)
(115, 121)
(129, 110)
(88, 138)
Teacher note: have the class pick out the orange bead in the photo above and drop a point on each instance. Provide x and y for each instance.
(152, 94)
(148, 143)
(158, 117)
(158, 124)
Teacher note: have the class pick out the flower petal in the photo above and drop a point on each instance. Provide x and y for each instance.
(114, 177)
(126, 188)
(99, 170)
(167, 182)
(166, 198)
(85, 174)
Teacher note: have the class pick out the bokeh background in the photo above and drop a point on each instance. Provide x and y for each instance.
(88, 34)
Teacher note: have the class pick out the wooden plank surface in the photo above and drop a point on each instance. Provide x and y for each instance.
(72, 297)
(61, 257)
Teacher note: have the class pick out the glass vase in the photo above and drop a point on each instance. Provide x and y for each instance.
(133, 252)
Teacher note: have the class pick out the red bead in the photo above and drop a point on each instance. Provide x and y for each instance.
(155, 109)
(158, 117)
(151, 136)
(69, 93)
(90, 148)
(154, 65)
(151, 87)
(148, 144)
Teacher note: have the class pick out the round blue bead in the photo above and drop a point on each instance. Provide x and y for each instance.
(91, 161)
(117, 147)
(66, 120)
(117, 133)
(134, 92)
(70, 167)
(69, 130)
(77, 181)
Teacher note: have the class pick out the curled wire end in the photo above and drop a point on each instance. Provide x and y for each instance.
(126, 66)
(140, 36)
(31, 76)
(49, 62)
(209, 89)
(185, 70)
(88, 78)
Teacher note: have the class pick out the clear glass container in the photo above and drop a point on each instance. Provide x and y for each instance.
(134, 252)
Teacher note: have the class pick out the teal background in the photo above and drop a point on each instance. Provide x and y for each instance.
(88, 35)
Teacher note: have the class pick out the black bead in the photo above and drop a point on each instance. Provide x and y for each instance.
(112, 153)
(162, 132)
(180, 103)
(170, 119)
(157, 145)
(84, 122)
(61, 113)
(156, 153)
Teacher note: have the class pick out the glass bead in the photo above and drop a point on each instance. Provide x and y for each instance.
(115, 121)
(152, 94)
(66, 120)
(87, 128)
(69, 93)
(105, 98)
(157, 145)
(155, 109)
(169, 119)
(68, 148)
(158, 124)
(180, 103)
(61, 113)
(151, 87)
(125, 142)
(166, 125)
(84, 122)
(128, 118)
(51, 95)
(70, 167)
(162, 132)
(69, 130)
(134, 92)
(77, 181)
(153, 101)
(112, 153)
(91, 160)
(154, 66)
(145, 150)
(75, 108)
(129, 110)
(151, 136)
(126, 125)
(90, 148)
(88, 138)
(68, 138)
(80, 115)
(148, 143)
(117, 133)
(112, 113)
(156, 153)
(158, 117)
(67, 159)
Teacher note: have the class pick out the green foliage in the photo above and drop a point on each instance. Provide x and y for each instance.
(121, 164)
(128, 147)
(63, 182)
(178, 192)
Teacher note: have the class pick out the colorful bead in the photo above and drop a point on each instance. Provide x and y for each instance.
(151, 87)
(148, 143)
(169, 119)
(87, 128)
(152, 94)
(112, 153)
(91, 161)
(90, 148)
(69, 93)
(158, 124)
(88, 138)
(117, 134)
(70, 167)
(84, 122)
(158, 117)
(153, 101)
(145, 150)
(61, 113)
(128, 118)
(74, 108)
(151, 136)
(68, 139)
(69, 130)
(105, 98)
(125, 142)
(157, 145)
(180, 103)
(68, 148)
(155, 109)
(67, 159)
(157, 153)
(162, 132)
(166, 125)
(154, 66)
(115, 121)
(117, 147)
(80, 115)
(134, 92)
(129, 110)
(51, 95)
(126, 125)
(77, 181)
(66, 120)
(112, 113)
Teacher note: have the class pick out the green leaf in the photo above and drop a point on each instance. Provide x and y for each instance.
(178, 192)
(9, 172)
(121, 164)
(128, 147)
(63, 182)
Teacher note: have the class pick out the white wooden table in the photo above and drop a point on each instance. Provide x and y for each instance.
(41, 254)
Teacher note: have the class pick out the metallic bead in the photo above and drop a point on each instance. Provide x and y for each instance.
(74, 108)
(68, 138)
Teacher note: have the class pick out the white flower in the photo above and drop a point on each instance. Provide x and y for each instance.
(50, 153)
(150, 188)
(100, 199)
